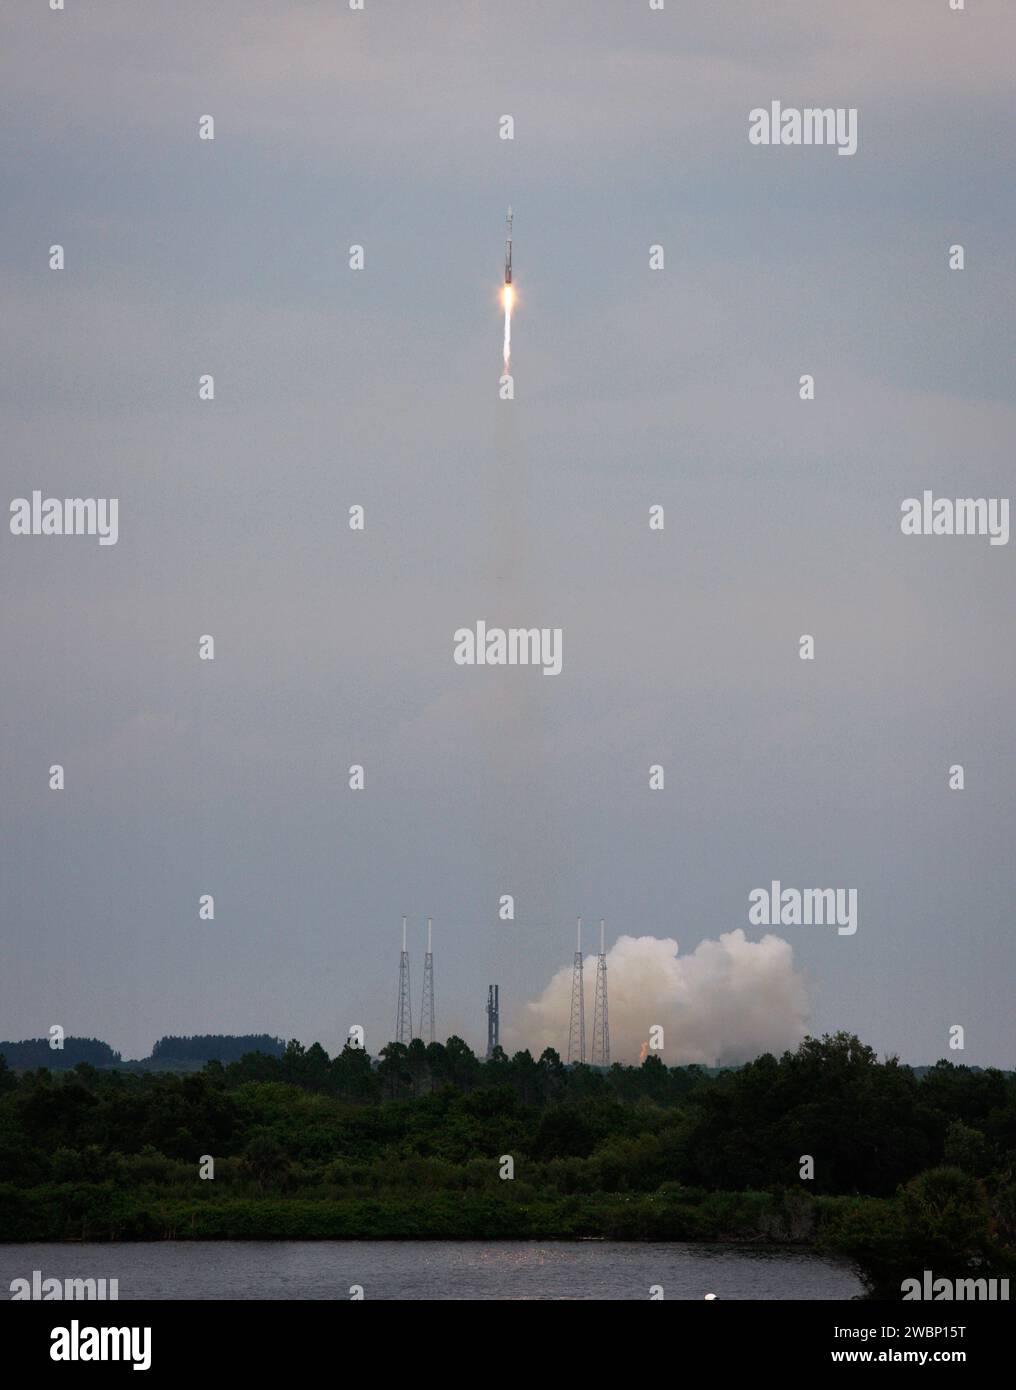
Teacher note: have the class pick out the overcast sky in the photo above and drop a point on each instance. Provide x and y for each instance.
(333, 387)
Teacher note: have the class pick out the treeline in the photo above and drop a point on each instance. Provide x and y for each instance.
(871, 1125)
(215, 1047)
(868, 1125)
(36, 1052)
(899, 1169)
(169, 1053)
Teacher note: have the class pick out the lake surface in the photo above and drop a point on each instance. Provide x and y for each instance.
(432, 1269)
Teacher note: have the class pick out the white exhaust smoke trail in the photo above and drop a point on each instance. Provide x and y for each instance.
(507, 325)
(726, 1002)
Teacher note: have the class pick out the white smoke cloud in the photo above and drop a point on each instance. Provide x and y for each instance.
(726, 1002)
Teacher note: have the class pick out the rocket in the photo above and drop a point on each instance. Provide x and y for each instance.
(508, 249)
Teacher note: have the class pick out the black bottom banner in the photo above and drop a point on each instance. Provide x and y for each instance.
(164, 1339)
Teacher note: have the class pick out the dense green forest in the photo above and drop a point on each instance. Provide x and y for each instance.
(909, 1173)
(38, 1052)
(215, 1047)
(168, 1054)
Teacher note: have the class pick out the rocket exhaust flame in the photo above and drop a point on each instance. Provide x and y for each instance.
(508, 293)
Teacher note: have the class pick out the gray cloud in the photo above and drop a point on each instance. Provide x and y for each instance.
(632, 388)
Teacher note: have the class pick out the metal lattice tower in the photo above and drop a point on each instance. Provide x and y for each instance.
(577, 1023)
(404, 1012)
(493, 1019)
(427, 1032)
(601, 1028)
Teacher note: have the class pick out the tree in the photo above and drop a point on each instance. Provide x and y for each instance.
(463, 1068)
(938, 1221)
(353, 1077)
(966, 1148)
(266, 1161)
(418, 1067)
(393, 1071)
(946, 1220)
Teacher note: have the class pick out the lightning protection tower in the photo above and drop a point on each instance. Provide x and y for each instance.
(577, 1022)
(404, 1013)
(427, 1032)
(601, 1028)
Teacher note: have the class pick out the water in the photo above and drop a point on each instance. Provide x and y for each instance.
(412, 1269)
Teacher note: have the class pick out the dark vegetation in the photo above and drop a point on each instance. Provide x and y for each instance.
(910, 1173)
(214, 1047)
(168, 1054)
(36, 1052)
